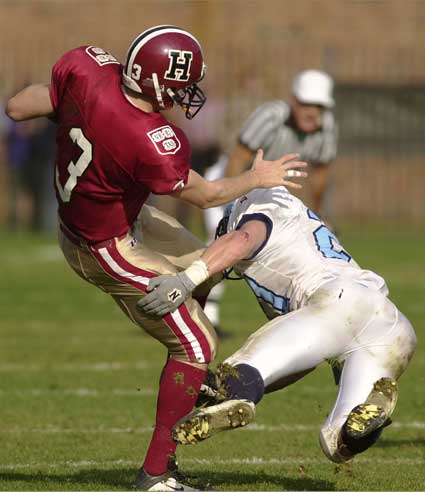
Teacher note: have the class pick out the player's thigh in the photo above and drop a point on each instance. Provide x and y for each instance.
(289, 345)
(186, 333)
(388, 337)
(384, 357)
(327, 327)
(123, 269)
(359, 317)
(165, 235)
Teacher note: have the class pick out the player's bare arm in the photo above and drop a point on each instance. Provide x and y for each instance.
(263, 174)
(31, 102)
(168, 292)
(239, 160)
(234, 246)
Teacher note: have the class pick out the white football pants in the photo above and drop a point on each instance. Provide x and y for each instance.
(343, 320)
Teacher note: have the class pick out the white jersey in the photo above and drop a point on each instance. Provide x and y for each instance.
(299, 255)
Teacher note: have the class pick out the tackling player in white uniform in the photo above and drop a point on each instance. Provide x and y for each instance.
(321, 306)
(304, 124)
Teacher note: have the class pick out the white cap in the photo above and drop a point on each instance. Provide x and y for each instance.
(314, 87)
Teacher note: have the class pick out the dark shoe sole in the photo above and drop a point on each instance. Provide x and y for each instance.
(375, 412)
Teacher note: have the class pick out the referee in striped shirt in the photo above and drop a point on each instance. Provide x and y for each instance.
(304, 125)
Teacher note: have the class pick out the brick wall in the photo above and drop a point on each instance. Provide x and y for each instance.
(252, 48)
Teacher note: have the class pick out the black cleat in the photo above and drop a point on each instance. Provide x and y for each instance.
(365, 422)
(208, 393)
(374, 412)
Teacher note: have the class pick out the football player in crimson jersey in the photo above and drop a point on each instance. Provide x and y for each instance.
(114, 148)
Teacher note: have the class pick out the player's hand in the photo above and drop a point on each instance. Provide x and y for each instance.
(165, 294)
(276, 173)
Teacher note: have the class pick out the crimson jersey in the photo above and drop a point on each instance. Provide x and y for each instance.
(110, 154)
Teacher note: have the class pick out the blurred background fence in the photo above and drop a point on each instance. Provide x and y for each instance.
(374, 49)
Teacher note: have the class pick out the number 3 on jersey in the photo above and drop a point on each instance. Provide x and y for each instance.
(77, 169)
(327, 242)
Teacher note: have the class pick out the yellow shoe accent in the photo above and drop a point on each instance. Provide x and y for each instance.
(375, 412)
(363, 419)
(202, 423)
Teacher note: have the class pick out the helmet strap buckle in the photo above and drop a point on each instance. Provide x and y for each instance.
(157, 89)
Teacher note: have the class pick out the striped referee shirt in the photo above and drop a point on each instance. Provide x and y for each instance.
(268, 128)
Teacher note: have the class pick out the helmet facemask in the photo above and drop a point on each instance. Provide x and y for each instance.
(190, 99)
(222, 226)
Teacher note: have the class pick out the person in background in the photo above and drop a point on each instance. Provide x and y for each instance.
(39, 176)
(29, 155)
(305, 125)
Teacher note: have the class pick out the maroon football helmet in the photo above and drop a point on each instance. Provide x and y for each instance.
(166, 62)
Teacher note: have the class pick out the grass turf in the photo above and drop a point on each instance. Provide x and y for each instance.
(78, 384)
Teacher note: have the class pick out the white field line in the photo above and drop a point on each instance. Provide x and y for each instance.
(96, 366)
(82, 392)
(148, 429)
(254, 460)
(305, 427)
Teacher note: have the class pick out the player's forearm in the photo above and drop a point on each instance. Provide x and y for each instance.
(225, 190)
(263, 174)
(31, 102)
(226, 251)
(167, 292)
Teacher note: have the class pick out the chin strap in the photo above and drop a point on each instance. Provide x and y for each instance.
(158, 91)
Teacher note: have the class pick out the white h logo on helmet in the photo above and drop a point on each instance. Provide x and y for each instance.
(179, 67)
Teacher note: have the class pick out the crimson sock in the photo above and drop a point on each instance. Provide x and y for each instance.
(178, 391)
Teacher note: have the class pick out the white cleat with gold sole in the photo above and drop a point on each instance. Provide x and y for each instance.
(203, 423)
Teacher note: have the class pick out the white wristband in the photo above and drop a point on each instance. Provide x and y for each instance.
(197, 272)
